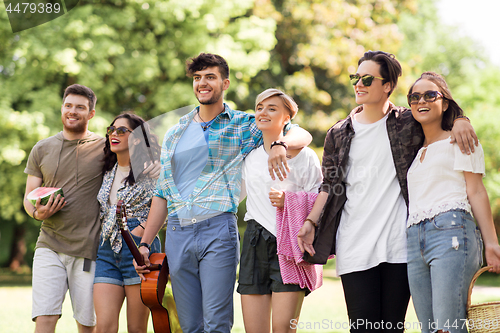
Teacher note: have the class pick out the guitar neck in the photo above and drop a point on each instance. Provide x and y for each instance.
(127, 237)
(121, 220)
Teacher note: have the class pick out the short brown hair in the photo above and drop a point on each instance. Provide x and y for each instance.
(454, 110)
(205, 60)
(390, 68)
(78, 89)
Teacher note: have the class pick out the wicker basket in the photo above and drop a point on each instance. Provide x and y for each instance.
(484, 317)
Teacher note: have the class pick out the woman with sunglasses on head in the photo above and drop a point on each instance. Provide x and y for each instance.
(361, 211)
(260, 280)
(445, 187)
(125, 155)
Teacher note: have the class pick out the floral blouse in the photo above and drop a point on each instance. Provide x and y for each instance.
(138, 196)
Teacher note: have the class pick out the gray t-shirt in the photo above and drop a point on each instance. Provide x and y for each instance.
(76, 167)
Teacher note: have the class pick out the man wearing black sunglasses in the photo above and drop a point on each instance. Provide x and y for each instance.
(365, 197)
(66, 248)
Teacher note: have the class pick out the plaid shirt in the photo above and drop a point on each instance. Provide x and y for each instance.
(232, 135)
(405, 137)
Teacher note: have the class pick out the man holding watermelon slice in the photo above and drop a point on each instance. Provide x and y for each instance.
(66, 247)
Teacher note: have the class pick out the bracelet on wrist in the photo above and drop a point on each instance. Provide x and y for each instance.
(146, 245)
(312, 222)
(279, 143)
(34, 211)
(461, 117)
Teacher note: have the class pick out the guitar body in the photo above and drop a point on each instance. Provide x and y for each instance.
(153, 290)
(154, 287)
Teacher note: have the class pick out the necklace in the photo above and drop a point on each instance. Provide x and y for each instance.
(206, 123)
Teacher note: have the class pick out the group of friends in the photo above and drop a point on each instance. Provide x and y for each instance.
(393, 201)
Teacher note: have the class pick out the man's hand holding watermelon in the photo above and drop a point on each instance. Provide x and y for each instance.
(42, 209)
(54, 205)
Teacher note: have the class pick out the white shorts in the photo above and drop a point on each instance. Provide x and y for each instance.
(53, 274)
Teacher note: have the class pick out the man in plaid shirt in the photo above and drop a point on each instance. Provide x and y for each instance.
(199, 190)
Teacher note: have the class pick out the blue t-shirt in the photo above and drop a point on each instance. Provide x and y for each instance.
(188, 161)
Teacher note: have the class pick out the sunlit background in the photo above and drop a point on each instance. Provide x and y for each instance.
(132, 54)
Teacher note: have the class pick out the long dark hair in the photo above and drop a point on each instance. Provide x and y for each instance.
(453, 110)
(144, 137)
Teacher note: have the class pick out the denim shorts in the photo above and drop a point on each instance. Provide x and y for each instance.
(259, 266)
(117, 268)
(444, 253)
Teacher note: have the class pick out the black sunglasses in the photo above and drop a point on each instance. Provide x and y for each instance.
(429, 96)
(367, 79)
(119, 130)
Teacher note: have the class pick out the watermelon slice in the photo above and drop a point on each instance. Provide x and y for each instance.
(44, 193)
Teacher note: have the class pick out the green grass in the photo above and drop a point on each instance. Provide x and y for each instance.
(488, 279)
(322, 311)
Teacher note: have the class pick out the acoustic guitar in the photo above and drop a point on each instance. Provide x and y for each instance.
(153, 288)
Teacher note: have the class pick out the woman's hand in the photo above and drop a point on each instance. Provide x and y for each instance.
(277, 198)
(305, 238)
(141, 270)
(492, 253)
(152, 169)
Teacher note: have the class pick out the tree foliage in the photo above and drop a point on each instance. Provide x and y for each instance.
(130, 52)
(318, 44)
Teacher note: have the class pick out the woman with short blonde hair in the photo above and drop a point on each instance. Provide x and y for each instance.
(260, 282)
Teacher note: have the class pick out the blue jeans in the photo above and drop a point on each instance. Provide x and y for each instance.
(202, 259)
(117, 268)
(444, 252)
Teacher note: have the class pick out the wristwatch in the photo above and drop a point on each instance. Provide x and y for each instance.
(146, 245)
(279, 143)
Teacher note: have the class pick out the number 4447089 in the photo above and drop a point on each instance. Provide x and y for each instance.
(34, 8)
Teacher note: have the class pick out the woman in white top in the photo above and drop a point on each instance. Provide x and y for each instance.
(260, 283)
(445, 187)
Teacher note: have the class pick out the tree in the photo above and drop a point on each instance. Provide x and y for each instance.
(318, 44)
(18, 130)
(131, 53)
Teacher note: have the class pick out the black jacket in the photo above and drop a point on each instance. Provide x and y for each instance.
(406, 138)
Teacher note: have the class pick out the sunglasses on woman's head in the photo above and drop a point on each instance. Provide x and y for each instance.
(429, 96)
(119, 130)
(367, 79)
